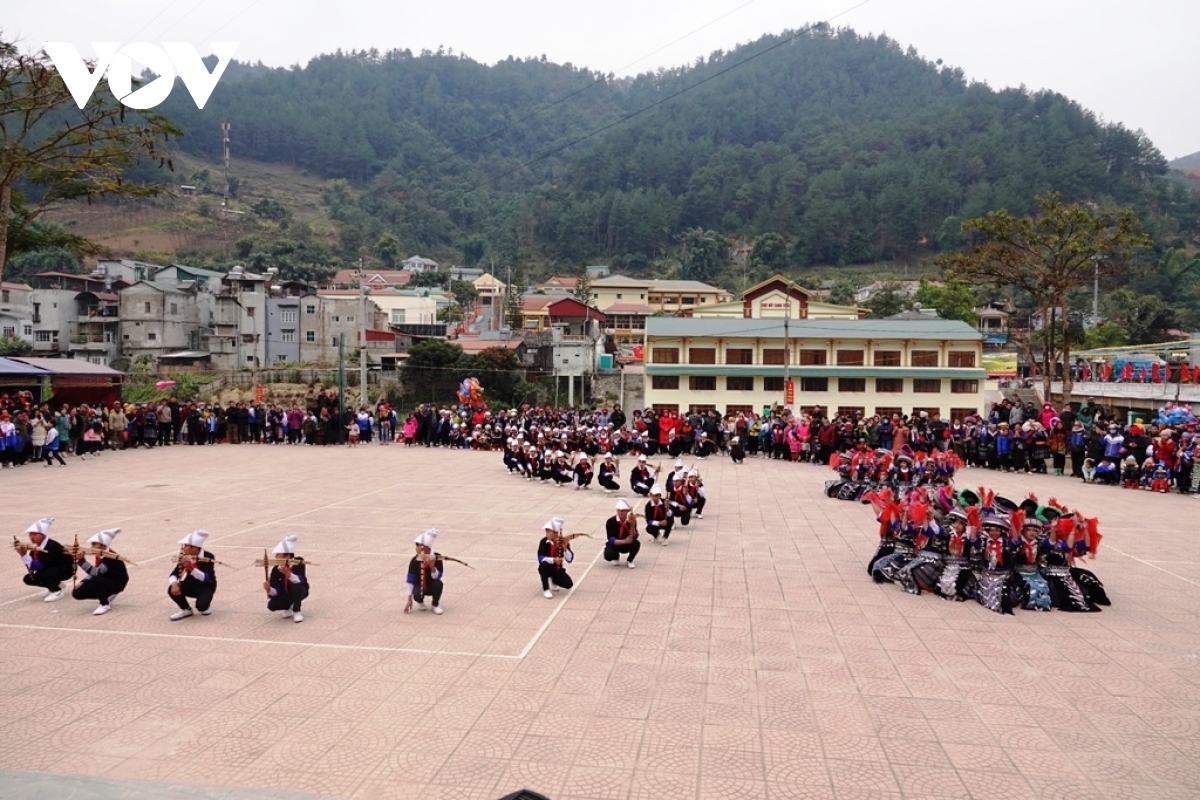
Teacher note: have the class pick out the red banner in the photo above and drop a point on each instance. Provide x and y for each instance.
(258, 394)
(790, 392)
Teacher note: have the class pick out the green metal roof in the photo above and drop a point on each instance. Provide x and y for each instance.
(821, 371)
(934, 329)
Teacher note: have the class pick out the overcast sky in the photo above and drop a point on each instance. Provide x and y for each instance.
(1130, 62)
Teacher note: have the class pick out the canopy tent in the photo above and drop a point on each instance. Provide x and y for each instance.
(16, 376)
(74, 382)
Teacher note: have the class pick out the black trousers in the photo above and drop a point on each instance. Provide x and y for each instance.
(548, 572)
(609, 483)
(190, 587)
(47, 578)
(683, 513)
(612, 552)
(99, 588)
(664, 531)
(297, 594)
(49, 454)
(433, 587)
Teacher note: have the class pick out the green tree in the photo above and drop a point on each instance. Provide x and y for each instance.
(25, 265)
(954, 299)
(1048, 255)
(387, 247)
(1144, 318)
(769, 254)
(431, 372)
(583, 286)
(842, 293)
(1106, 334)
(15, 347)
(887, 301)
(516, 290)
(57, 152)
(705, 254)
(268, 208)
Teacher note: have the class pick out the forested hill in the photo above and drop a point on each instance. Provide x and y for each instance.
(1186, 162)
(849, 147)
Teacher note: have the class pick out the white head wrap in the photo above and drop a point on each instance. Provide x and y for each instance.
(623, 504)
(554, 524)
(642, 458)
(287, 546)
(427, 538)
(656, 490)
(42, 526)
(104, 537)
(196, 538)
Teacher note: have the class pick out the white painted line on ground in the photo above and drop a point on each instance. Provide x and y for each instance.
(1152, 565)
(19, 599)
(233, 640)
(364, 553)
(558, 607)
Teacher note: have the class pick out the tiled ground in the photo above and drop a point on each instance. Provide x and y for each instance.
(752, 658)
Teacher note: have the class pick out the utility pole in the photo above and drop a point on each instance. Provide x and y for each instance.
(362, 344)
(225, 193)
(341, 420)
(787, 346)
(1096, 292)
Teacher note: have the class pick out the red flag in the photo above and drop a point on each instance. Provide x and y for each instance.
(1196, 374)
(1185, 375)
(1156, 374)
(1126, 371)
(1108, 371)
(1087, 373)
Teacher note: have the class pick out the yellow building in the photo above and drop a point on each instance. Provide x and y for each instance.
(836, 366)
(778, 298)
(627, 302)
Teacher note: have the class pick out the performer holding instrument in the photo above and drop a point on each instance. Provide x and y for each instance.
(287, 585)
(622, 534)
(194, 576)
(659, 519)
(554, 553)
(106, 575)
(641, 479)
(425, 572)
(47, 564)
(610, 470)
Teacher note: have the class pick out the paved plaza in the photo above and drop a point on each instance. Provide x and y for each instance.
(753, 658)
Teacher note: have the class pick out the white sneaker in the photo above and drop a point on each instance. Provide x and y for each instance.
(665, 542)
(101, 610)
(548, 594)
(52, 596)
(297, 617)
(556, 587)
(182, 613)
(437, 609)
(699, 516)
(630, 564)
(422, 607)
(206, 612)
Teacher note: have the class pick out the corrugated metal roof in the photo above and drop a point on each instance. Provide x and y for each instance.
(817, 329)
(681, 286)
(10, 366)
(69, 366)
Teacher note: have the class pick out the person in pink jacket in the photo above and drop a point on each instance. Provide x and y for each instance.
(410, 430)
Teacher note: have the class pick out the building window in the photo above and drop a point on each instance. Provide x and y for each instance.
(247, 338)
(663, 408)
(852, 384)
(287, 337)
(618, 296)
(962, 358)
(814, 384)
(964, 387)
(813, 358)
(174, 308)
(280, 359)
(689, 301)
(888, 411)
(145, 308)
(337, 318)
(4, 296)
(288, 315)
(774, 355)
(349, 319)
(773, 384)
(741, 383)
(702, 355)
(889, 385)
(702, 383)
(310, 308)
(28, 330)
(887, 358)
(664, 355)
(962, 413)
(9, 332)
(927, 385)
(739, 355)
(924, 358)
(310, 336)
(733, 411)
(850, 358)
(250, 311)
(397, 316)
(664, 382)
(850, 411)
(334, 341)
(152, 336)
(700, 409)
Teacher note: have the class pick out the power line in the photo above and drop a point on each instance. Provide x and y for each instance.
(788, 40)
